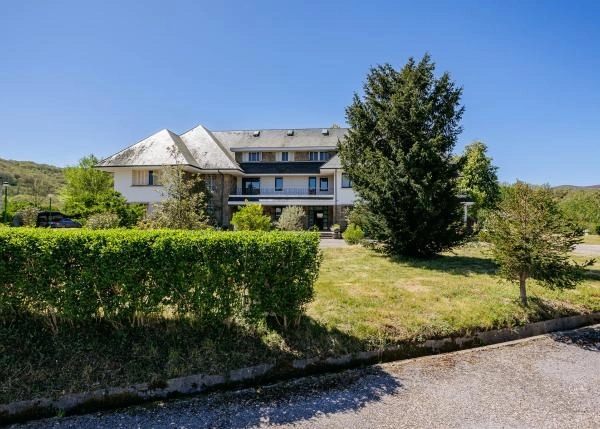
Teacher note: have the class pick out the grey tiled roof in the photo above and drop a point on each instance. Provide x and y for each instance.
(334, 162)
(302, 138)
(162, 148)
(208, 152)
(295, 167)
(203, 149)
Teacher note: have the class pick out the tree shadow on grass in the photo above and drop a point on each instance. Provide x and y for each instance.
(452, 264)
(90, 355)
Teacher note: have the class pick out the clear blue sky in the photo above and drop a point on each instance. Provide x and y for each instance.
(93, 77)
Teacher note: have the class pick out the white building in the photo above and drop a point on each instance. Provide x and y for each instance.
(277, 168)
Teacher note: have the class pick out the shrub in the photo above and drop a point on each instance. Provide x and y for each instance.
(598, 229)
(126, 275)
(353, 234)
(292, 219)
(27, 216)
(335, 227)
(103, 221)
(251, 218)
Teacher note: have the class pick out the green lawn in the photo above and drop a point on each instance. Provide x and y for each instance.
(370, 296)
(591, 239)
(364, 300)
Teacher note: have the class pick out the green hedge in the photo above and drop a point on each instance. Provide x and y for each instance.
(129, 274)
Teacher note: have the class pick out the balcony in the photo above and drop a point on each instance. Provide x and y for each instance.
(287, 192)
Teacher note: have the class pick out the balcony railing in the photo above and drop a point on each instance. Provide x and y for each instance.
(282, 191)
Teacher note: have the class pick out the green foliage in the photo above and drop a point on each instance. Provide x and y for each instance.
(85, 186)
(399, 155)
(531, 239)
(478, 178)
(105, 220)
(89, 191)
(597, 229)
(582, 207)
(27, 216)
(127, 275)
(335, 227)
(353, 234)
(251, 218)
(185, 203)
(292, 218)
(373, 225)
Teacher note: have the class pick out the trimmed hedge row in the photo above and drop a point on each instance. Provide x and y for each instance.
(130, 274)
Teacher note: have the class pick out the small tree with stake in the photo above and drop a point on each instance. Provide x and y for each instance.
(531, 239)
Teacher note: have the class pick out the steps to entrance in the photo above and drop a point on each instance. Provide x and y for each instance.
(326, 234)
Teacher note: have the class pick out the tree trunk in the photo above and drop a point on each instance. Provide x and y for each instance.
(522, 279)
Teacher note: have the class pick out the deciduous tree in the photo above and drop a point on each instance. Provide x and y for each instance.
(531, 239)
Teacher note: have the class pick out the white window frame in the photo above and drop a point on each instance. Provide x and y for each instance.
(252, 155)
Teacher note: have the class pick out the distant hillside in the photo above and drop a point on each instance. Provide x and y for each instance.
(33, 182)
(575, 188)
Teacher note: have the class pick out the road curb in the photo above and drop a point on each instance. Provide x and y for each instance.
(118, 397)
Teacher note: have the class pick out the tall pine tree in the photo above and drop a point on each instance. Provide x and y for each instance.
(399, 154)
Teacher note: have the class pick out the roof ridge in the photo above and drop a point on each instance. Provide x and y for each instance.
(226, 152)
(182, 147)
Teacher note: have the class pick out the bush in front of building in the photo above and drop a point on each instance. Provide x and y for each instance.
(251, 218)
(127, 276)
(292, 218)
(353, 234)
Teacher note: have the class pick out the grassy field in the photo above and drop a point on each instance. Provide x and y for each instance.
(364, 300)
(591, 239)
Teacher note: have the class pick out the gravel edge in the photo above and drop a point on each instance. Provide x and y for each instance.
(119, 397)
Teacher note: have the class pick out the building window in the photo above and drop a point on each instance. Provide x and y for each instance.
(277, 213)
(211, 182)
(146, 178)
(284, 156)
(312, 185)
(253, 156)
(313, 156)
(250, 186)
(279, 183)
(346, 181)
(323, 156)
(323, 184)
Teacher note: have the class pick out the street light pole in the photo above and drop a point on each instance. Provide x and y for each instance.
(5, 186)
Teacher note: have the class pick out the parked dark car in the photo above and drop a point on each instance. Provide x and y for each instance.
(65, 222)
(46, 218)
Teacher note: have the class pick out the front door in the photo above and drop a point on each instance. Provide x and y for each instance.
(319, 219)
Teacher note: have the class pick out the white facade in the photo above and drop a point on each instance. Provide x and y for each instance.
(147, 194)
(232, 159)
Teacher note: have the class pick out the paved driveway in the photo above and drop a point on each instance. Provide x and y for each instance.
(550, 382)
(587, 249)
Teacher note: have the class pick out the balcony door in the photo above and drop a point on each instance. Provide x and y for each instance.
(250, 186)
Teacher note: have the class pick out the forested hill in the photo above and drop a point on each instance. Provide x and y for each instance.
(33, 182)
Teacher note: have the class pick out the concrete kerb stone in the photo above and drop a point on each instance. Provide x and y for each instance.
(118, 397)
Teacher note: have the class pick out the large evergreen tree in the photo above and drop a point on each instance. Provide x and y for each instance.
(399, 154)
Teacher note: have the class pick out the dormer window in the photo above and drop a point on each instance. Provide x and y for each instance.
(313, 156)
(253, 156)
(285, 156)
(323, 156)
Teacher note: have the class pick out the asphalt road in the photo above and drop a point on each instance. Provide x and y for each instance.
(550, 382)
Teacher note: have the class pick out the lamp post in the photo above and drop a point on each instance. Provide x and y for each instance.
(50, 210)
(5, 186)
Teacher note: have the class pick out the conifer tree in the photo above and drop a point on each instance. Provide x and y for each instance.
(399, 154)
